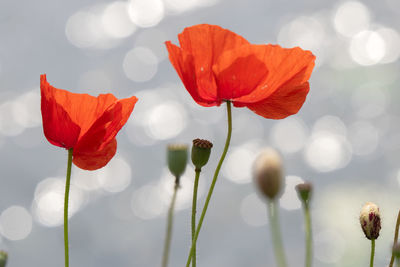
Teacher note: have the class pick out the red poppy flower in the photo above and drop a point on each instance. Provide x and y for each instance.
(217, 65)
(85, 123)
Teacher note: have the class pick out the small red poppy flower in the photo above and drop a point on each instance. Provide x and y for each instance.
(217, 65)
(85, 123)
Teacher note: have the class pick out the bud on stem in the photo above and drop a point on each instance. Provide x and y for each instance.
(370, 220)
(396, 250)
(201, 151)
(177, 160)
(3, 258)
(268, 173)
(304, 192)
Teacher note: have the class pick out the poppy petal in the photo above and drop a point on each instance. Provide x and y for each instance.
(183, 64)
(83, 109)
(97, 159)
(238, 72)
(58, 126)
(284, 65)
(106, 127)
(206, 43)
(285, 101)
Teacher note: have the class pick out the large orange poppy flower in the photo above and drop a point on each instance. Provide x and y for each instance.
(85, 123)
(217, 65)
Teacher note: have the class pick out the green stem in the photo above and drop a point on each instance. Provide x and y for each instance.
(168, 236)
(66, 197)
(371, 263)
(210, 191)
(307, 218)
(194, 204)
(396, 236)
(276, 233)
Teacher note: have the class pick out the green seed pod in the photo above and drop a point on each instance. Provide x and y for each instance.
(268, 173)
(370, 220)
(304, 192)
(3, 258)
(201, 151)
(177, 155)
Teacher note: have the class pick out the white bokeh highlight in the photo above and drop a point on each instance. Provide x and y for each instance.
(351, 17)
(289, 135)
(140, 64)
(15, 223)
(48, 203)
(146, 13)
(153, 199)
(116, 21)
(367, 48)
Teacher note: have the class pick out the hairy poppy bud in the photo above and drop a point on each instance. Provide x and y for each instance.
(3, 258)
(268, 173)
(177, 159)
(201, 151)
(396, 250)
(304, 191)
(370, 220)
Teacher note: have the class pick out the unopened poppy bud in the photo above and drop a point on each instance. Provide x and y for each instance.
(370, 220)
(396, 250)
(177, 159)
(268, 173)
(304, 191)
(201, 151)
(3, 258)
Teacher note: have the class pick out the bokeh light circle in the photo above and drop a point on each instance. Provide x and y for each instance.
(146, 13)
(351, 17)
(15, 223)
(140, 64)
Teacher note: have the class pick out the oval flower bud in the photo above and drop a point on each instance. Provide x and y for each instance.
(268, 173)
(370, 220)
(3, 258)
(201, 151)
(304, 191)
(177, 159)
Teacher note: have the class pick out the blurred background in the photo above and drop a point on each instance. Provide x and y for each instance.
(345, 139)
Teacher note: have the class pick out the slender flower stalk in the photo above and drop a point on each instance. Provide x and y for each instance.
(269, 178)
(177, 160)
(307, 218)
(210, 191)
(168, 236)
(371, 262)
(201, 151)
(304, 193)
(194, 207)
(66, 198)
(396, 236)
(276, 233)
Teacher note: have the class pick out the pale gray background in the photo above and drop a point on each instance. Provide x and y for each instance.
(345, 139)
